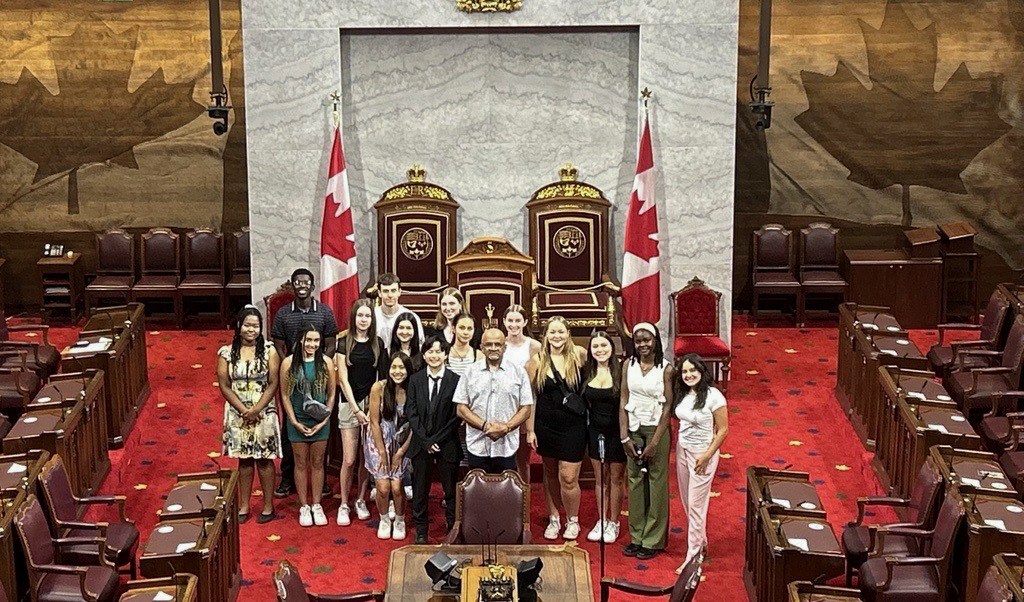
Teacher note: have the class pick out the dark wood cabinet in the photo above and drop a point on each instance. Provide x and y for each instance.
(911, 287)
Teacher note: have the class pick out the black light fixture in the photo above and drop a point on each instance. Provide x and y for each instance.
(760, 88)
(219, 107)
(440, 568)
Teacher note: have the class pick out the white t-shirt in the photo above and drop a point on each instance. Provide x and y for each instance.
(697, 427)
(385, 324)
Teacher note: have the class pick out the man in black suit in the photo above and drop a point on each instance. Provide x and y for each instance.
(435, 436)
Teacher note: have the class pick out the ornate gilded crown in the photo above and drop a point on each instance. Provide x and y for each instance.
(416, 173)
(568, 173)
(488, 6)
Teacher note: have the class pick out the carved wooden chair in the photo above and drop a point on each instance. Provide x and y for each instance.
(476, 498)
(204, 268)
(683, 590)
(819, 264)
(115, 269)
(290, 589)
(696, 327)
(773, 268)
(161, 270)
(491, 274)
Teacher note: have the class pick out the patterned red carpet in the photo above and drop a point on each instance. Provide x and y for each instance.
(782, 412)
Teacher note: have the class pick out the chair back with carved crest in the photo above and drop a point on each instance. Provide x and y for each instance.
(569, 241)
(491, 274)
(416, 233)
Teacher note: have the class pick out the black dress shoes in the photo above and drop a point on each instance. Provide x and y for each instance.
(631, 550)
(646, 553)
(284, 490)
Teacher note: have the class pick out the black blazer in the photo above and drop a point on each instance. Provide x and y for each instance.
(438, 426)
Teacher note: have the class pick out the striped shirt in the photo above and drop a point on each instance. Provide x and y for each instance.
(289, 319)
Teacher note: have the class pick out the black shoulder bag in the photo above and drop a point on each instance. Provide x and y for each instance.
(571, 400)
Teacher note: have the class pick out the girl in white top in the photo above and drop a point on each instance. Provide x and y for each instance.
(643, 420)
(519, 347)
(462, 355)
(703, 425)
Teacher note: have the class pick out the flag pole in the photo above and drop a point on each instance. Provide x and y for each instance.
(336, 114)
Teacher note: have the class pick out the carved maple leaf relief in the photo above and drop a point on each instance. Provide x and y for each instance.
(93, 118)
(901, 130)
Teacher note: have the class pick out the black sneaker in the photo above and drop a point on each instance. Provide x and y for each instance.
(631, 550)
(284, 489)
(646, 553)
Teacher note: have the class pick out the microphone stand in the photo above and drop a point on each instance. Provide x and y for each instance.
(600, 498)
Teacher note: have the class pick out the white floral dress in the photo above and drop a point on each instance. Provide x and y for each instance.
(261, 440)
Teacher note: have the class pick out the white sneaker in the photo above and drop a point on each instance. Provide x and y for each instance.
(344, 519)
(611, 532)
(362, 513)
(597, 532)
(408, 492)
(391, 510)
(319, 518)
(572, 528)
(398, 533)
(384, 529)
(554, 526)
(305, 517)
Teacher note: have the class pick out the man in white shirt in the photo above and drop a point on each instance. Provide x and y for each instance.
(493, 397)
(389, 290)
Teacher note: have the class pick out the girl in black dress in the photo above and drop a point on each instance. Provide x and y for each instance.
(558, 435)
(601, 378)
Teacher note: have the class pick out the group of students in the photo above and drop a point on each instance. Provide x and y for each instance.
(411, 398)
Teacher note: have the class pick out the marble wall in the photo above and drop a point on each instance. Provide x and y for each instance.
(491, 114)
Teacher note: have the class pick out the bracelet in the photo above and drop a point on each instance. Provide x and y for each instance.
(625, 440)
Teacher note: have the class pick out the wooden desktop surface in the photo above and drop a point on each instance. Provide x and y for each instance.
(565, 576)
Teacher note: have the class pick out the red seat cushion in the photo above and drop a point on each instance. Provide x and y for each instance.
(907, 581)
(704, 346)
(156, 283)
(111, 283)
(100, 581)
(202, 281)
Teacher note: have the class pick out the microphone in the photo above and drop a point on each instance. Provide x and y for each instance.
(201, 517)
(600, 447)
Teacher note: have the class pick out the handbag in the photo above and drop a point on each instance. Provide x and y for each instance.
(316, 409)
(571, 400)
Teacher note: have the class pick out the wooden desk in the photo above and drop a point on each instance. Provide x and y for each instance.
(785, 489)
(199, 547)
(994, 525)
(202, 495)
(67, 419)
(795, 548)
(805, 591)
(917, 414)
(14, 581)
(62, 284)
(120, 352)
(874, 349)
(853, 318)
(1005, 579)
(911, 286)
(978, 470)
(564, 578)
(180, 588)
(20, 471)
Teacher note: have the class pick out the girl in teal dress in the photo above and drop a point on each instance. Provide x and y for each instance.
(307, 378)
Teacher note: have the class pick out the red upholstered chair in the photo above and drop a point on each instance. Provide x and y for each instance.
(696, 327)
(18, 384)
(683, 590)
(51, 577)
(992, 334)
(477, 497)
(888, 577)
(115, 269)
(275, 301)
(819, 264)
(240, 281)
(204, 268)
(974, 388)
(161, 270)
(922, 507)
(121, 538)
(773, 268)
(290, 589)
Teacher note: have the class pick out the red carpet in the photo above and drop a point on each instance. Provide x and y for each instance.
(782, 412)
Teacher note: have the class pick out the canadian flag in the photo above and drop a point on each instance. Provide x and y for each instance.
(641, 280)
(339, 279)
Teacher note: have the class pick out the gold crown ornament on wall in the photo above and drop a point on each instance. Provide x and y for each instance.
(488, 6)
(416, 173)
(568, 173)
